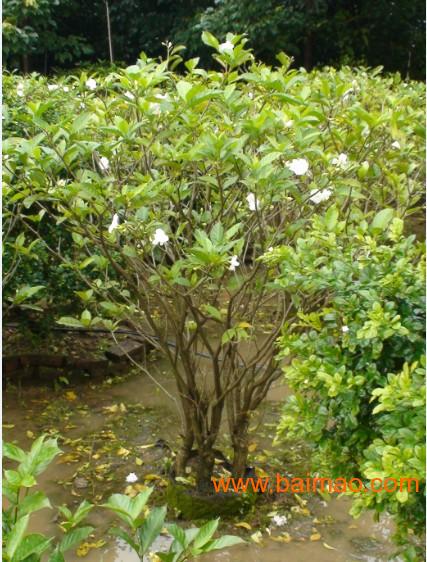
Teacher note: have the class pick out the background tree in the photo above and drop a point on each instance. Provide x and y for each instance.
(64, 33)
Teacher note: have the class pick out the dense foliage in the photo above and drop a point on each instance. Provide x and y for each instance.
(356, 362)
(41, 34)
(171, 188)
(142, 526)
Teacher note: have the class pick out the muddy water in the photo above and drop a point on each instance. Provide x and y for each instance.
(151, 415)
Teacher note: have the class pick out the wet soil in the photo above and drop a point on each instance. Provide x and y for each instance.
(120, 425)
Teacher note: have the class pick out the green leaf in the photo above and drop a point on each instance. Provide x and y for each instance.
(209, 39)
(151, 527)
(74, 537)
(69, 321)
(117, 532)
(13, 452)
(16, 535)
(127, 508)
(34, 544)
(183, 88)
(42, 453)
(56, 556)
(223, 542)
(33, 502)
(382, 219)
(331, 218)
(205, 533)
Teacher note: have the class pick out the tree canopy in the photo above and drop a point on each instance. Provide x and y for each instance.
(43, 35)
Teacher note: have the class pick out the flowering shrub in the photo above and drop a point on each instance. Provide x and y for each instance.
(172, 186)
(356, 359)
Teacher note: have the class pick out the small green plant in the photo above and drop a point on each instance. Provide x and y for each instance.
(21, 504)
(143, 525)
(142, 531)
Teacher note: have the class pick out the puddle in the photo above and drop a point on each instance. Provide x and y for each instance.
(85, 417)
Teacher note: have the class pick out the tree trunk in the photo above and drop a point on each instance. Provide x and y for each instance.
(240, 441)
(184, 453)
(205, 465)
(25, 64)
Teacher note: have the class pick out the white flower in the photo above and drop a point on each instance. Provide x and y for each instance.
(129, 95)
(114, 223)
(104, 163)
(288, 124)
(341, 161)
(253, 202)
(91, 84)
(234, 262)
(61, 183)
(82, 105)
(162, 96)
(299, 166)
(52, 87)
(20, 90)
(396, 144)
(346, 95)
(155, 108)
(131, 478)
(160, 237)
(280, 520)
(66, 89)
(319, 196)
(226, 48)
(250, 95)
(344, 329)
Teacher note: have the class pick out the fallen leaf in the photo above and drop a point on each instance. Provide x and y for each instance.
(68, 458)
(147, 446)
(244, 525)
(122, 452)
(257, 537)
(8, 425)
(30, 434)
(84, 548)
(284, 537)
(151, 477)
(139, 461)
(261, 473)
(252, 447)
(328, 546)
(71, 395)
(315, 537)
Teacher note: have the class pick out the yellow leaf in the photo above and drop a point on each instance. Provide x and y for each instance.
(68, 458)
(284, 537)
(315, 537)
(328, 546)
(8, 425)
(151, 477)
(71, 395)
(123, 408)
(244, 525)
(261, 473)
(244, 325)
(147, 446)
(122, 452)
(111, 409)
(130, 491)
(84, 548)
(139, 461)
(257, 537)
(30, 434)
(252, 447)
